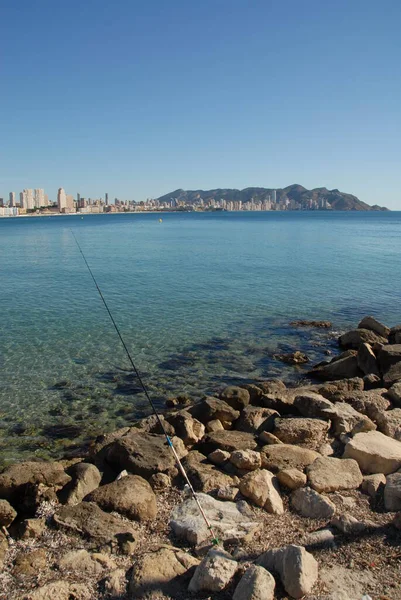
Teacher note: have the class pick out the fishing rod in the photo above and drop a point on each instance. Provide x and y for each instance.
(148, 397)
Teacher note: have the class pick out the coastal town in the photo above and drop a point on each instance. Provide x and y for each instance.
(37, 202)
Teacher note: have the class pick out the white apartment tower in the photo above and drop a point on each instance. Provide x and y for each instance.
(26, 199)
(61, 200)
(12, 199)
(39, 198)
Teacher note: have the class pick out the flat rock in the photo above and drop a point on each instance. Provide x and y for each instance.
(60, 590)
(301, 430)
(165, 571)
(229, 440)
(230, 521)
(337, 369)
(389, 423)
(144, 454)
(14, 477)
(297, 568)
(246, 459)
(285, 456)
(90, 521)
(331, 474)
(204, 476)
(255, 419)
(311, 504)
(261, 487)
(356, 337)
(7, 513)
(235, 396)
(255, 584)
(333, 390)
(214, 572)
(347, 584)
(85, 478)
(292, 478)
(374, 325)
(392, 492)
(131, 496)
(374, 452)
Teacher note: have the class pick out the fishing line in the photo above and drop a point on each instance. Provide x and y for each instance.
(145, 391)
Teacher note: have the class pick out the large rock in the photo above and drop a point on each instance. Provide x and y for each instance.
(292, 478)
(346, 419)
(60, 590)
(261, 487)
(297, 568)
(337, 369)
(311, 504)
(389, 423)
(392, 492)
(230, 521)
(356, 337)
(18, 475)
(277, 457)
(229, 440)
(187, 428)
(7, 513)
(301, 431)
(312, 405)
(390, 363)
(214, 572)
(374, 325)
(131, 496)
(235, 396)
(367, 360)
(368, 402)
(332, 474)
(395, 335)
(204, 476)
(333, 389)
(144, 454)
(85, 478)
(394, 393)
(248, 460)
(255, 584)
(255, 419)
(165, 571)
(211, 408)
(374, 452)
(372, 483)
(90, 521)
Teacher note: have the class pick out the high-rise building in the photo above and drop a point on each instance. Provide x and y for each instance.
(61, 200)
(106, 199)
(46, 200)
(12, 199)
(1, 202)
(26, 199)
(70, 203)
(274, 198)
(39, 198)
(78, 199)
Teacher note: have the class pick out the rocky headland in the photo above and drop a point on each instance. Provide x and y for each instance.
(302, 486)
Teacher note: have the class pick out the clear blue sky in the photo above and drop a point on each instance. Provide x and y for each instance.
(140, 98)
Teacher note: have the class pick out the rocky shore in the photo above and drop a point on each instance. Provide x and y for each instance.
(302, 486)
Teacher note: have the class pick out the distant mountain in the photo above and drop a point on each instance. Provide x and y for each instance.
(295, 193)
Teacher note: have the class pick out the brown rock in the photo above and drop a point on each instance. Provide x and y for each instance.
(372, 483)
(60, 590)
(367, 360)
(246, 459)
(32, 528)
(235, 396)
(285, 456)
(3, 548)
(311, 504)
(374, 325)
(187, 428)
(160, 481)
(30, 563)
(292, 478)
(81, 562)
(7, 513)
(332, 474)
(267, 438)
(255, 419)
(219, 457)
(389, 423)
(214, 425)
(374, 452)
(210, 409)
(261, 487)
(301, 430)
(394, 393)
(14, 477)
(229, 441)
(337, 369)
(204, 476)
(390, 363)
(356, 337)
(85, 478)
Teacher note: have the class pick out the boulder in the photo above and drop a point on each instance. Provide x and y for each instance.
(156, 424)
(131, 496)
(18, 475)
(255, 419)
(292, 478)
(214, 425)
(85, 478)
(367, 360)
(281, 401)
(187, 428)
(333, 390)
(392, 492)
(60, 590)
(346, 419)
(372, 483)
(204, 476)
(272, 386)
(235, 396)
(394, 393)
(301, 431)
(390, 363)
(80, 561)
(311, 504)
(210, 409)
(374, 325)
(255, 584)
(219, 457)
(261, 487)
(246, 459)
(368, 402)
(93, 523)
(31, 528)
(285, 456)
(333, 474)
(7, 513)
(395, 335)
(337, 369)
(214, 572)
(229, 440)
(144, 454)
(374, 452)
(297, 568)
(230, 521)
(389, 423)
(371, 382)
(356, 337)
(165, 571)
(312, 405)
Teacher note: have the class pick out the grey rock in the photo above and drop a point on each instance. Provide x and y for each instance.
(389, 359)
(356, 337)
(337, 369)
(255, 584)
(394, 393)
(347, 524)
(392, 492)
(323, 538)
(230, 521)
(372, 483)
(389, 423)
(395, 335)
(367, 360)
(311, 504)
(214, 572)
(368, 402)
(267, 438)
(346, 419)
(374, 452)
(312, 405)
(79, 561)
(374, 325)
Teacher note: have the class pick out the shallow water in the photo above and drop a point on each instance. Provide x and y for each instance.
(201, 299)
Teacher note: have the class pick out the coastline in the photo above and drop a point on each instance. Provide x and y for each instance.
(227, 443)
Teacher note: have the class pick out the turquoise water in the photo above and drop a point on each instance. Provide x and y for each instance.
(201, 299)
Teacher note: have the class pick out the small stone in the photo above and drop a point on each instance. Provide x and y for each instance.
(261, 487)
(7, 513)
(214, 425)
(214, 572)
(246, 459)
(255, 584)
(160, 481)
(316, 540)
(311, 504)
(347, 524)
(32, 528)
(219, 457)
(292, 478)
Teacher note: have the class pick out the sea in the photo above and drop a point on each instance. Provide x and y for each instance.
(202, 300)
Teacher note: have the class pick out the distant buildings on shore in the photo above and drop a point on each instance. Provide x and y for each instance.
(37, 202)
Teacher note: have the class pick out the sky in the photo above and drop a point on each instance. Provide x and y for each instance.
(139, 98)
